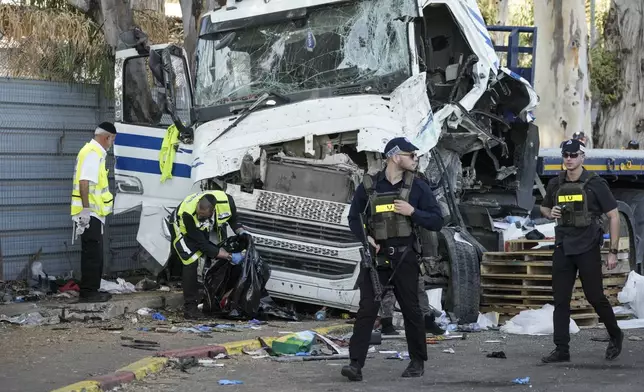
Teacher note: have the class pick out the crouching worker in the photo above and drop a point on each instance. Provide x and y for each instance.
(192, 222)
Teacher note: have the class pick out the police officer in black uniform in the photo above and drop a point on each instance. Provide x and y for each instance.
(576, 199)
(394, 201)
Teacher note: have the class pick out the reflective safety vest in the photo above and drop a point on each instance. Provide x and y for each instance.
(383, 222)
(100, 198)
(168, 152)
(572, 198)
(189, 205)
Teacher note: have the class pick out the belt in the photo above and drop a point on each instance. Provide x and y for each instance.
(392, 250)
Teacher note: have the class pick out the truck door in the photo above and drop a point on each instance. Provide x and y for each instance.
(142, 119)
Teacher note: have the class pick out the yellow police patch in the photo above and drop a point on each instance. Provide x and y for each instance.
(570, 198)
(385, 208)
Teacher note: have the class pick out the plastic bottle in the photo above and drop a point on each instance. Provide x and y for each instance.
(320, 315)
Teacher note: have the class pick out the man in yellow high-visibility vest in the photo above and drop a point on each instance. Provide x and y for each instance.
(91, 204)
(192, 221)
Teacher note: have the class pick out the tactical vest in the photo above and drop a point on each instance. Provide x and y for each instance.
(189, 205)
(573, 200)
(383, 222)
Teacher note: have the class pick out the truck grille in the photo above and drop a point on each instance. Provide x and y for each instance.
(293, 227)
(300, 207)
(314, 265)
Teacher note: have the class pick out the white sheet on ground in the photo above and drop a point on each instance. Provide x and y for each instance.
(633, 293)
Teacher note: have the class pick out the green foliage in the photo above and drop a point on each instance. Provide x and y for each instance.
(606, 81)
(523, 16)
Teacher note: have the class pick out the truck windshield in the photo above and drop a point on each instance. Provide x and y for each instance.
(334, 45)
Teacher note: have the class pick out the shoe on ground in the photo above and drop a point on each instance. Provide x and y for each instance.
(93, 297)
(194, 314)
(432, 327)
(387, 327)
(557, 356)
(615, 347)
(352, 371)
(415, 368)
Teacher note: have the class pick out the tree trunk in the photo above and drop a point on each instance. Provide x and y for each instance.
(624, 36)
(561, 77)
(502, 16)
(149, 5)
(190, 12)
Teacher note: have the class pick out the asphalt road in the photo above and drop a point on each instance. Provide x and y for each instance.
(43, 358)
(468, 369)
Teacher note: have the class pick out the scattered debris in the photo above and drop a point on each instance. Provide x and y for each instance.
(449, 351)
(146, 284)
(120, 287)
(221, 356)
(497, 354)
(145, 311)
(184, 364)
(230, 382)
(522, 381)
(164, 288)
(158, 316)
(492, 341)
(32, 318)
(209, 363)
(601, 339)
(402, 356)
(635, 338)
(293, 343)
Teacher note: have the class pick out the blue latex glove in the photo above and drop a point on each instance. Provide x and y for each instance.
(237, 258)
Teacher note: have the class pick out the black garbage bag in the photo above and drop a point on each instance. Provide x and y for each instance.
(245, 298)
(234, 291)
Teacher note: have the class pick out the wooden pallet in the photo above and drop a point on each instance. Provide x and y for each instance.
(528, 245)
(492, 266)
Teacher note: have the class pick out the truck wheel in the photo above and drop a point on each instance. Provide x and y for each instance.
(463, 295)
(631, 207)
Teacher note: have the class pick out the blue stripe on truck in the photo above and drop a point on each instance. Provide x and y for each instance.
(150, 166)
(140, 141)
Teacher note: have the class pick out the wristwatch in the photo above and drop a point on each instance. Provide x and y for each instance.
(613, 251)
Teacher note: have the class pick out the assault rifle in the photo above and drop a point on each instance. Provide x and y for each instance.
(367, 263)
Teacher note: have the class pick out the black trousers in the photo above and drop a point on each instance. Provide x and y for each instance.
(405, 282)
(91, 257)
(190, 285)
(564, 274)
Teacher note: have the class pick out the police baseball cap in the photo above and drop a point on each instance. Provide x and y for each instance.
(572, 146)
(399, 144)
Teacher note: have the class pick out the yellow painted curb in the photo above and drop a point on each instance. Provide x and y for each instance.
(83, 386)
(236, 348)
(145, 366)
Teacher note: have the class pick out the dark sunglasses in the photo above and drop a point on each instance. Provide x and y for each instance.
(412, 155)
(570, 155)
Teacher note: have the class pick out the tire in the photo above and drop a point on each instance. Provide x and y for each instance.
(463, 291)
(633, 222)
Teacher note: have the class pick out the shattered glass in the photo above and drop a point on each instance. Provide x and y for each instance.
(334, 45)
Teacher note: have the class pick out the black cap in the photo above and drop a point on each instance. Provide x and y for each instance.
(399, 144)
(573, 145)
(108, 127)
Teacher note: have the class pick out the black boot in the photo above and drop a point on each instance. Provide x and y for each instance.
(94, 296)
(432, 327)
(416, 368)
(557, 355)
(352, 371)
(387, 326)
(191, 312)
(615, 347)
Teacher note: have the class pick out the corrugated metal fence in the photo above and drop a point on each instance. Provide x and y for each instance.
(42, 127)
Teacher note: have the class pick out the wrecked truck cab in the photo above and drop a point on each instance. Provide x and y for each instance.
(287, 113)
